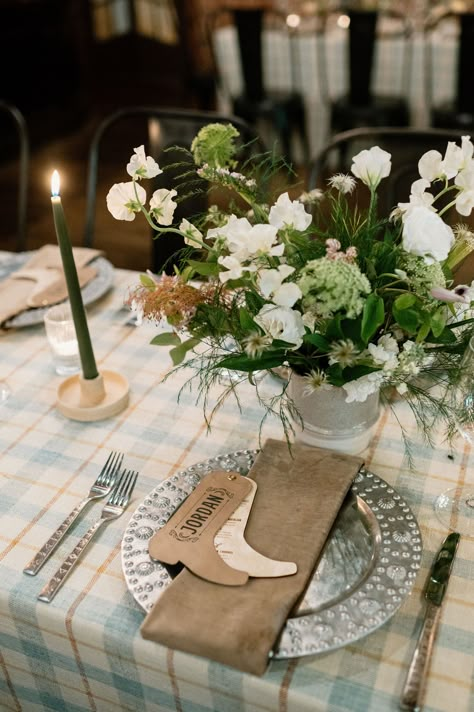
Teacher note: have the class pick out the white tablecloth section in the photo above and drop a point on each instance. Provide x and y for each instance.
(84, 651)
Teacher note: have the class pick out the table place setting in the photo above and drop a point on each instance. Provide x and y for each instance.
(32, 282)
(266, 557)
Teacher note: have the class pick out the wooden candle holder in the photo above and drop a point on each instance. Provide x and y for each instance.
(93, 399)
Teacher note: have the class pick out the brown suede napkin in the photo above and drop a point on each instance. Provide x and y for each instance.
(14, 292)
(296, 503)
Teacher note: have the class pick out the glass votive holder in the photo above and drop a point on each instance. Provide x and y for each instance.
(62, 339)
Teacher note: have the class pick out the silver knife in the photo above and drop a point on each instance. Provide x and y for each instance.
(435, 591)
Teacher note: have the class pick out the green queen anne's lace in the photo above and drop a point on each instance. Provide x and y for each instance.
(215, 146)
(333, 286)
(422, 277)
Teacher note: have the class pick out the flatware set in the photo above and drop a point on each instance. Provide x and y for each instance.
(112, 482)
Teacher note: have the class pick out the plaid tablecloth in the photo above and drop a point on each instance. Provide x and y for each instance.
(84, 651)
(296, 67)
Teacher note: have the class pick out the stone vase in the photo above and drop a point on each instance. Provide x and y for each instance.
(329, 421)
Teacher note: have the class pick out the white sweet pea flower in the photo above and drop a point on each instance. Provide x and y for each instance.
(234, 267)
(465, 198)
(426, 235)
(270, 282)
(457, 158)
(163, 206)
(142, 166)
(281, 323)
(289, 213)
(192, 236)
(261, 241)
(287, 295)
(430, 166)
(418, 196)
(122, 201)
(270, 279)
(371, 165)
(234, 234)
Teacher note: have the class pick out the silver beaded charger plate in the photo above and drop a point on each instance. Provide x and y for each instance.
(91, 292)
(366, 570)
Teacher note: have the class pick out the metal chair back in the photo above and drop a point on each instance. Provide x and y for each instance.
(23, 170)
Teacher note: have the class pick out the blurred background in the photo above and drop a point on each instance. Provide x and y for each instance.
(67, 64)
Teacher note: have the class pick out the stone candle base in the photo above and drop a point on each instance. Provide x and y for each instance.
(93, 399)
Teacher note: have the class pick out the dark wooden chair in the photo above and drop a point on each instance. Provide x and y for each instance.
(283, 110)
(459, 111)
(159, 129)
(406, 146)
(361, 106)
(21, 155)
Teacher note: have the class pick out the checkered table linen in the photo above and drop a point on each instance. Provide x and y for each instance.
(278, 59)
(84, 651)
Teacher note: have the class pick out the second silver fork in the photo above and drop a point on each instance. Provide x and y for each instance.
(101, 488)
(115, 506)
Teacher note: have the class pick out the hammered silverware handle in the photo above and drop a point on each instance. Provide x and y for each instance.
(54, 584)
(417, 672)
(47, 549)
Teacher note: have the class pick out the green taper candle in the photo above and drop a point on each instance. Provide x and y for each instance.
(89, 368)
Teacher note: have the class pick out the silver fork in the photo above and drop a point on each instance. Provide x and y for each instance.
(101, 488)
(114, 507)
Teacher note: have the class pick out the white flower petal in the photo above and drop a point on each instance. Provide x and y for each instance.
(122, 201)
(371, 165)
(287, 213)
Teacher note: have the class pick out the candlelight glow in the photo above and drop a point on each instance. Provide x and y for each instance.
(55, 183)
(293, 21)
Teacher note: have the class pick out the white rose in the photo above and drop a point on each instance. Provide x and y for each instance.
(370, 166)
(426, 235)
(281, 323)
(287, 213)
(142, 166)
(163, 205)
(122, 200)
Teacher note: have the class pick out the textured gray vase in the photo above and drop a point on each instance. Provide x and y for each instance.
(329, 421)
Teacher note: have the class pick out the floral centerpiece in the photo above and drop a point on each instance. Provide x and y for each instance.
(334, 293)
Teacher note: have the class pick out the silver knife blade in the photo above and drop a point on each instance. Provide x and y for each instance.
(435, 591)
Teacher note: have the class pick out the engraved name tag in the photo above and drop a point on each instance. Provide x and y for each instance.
(188, 536)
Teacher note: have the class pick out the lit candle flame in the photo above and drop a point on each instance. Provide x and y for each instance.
(55, 183)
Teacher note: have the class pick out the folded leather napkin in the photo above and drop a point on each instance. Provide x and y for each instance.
(296, 504)
(14, 292)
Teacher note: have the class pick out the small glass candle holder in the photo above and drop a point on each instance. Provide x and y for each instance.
(62, 339)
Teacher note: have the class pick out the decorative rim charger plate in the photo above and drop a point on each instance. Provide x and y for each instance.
(366, 570)
(91, 292)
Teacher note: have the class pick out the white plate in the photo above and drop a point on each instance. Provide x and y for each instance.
(93, 290)
(366, 570)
